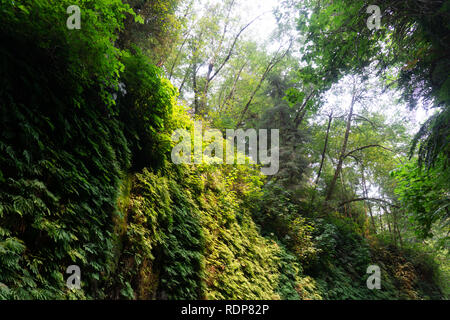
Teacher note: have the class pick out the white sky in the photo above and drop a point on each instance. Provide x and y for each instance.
(263, 27)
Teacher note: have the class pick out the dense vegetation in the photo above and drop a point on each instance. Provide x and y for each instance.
(86, 176)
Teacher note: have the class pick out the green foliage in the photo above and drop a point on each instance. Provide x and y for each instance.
(433, 140)
(162, 244)
(340, 267)
(88, 56)
(62, 151)
(239, 263)
(58, 197)
(293, 285)
(188, 233)
(279, 215)
(146, 108)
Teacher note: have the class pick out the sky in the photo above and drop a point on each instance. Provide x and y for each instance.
(263, 27)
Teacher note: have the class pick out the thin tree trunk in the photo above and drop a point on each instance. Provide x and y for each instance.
(302, 111)
(343, 149)
(322, 161)
(366, 194)
(202, 100)
(330, 118)
(301, 117)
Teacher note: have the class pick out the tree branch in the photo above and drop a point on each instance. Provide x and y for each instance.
(300, 114)
(230, 51)
(369, 121)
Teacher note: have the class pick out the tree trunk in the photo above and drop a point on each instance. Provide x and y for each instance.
(176, 58)
(381, 223)
(392, 229)
(366, 194)
(194, 84)
(273, 62)
(387, 220)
